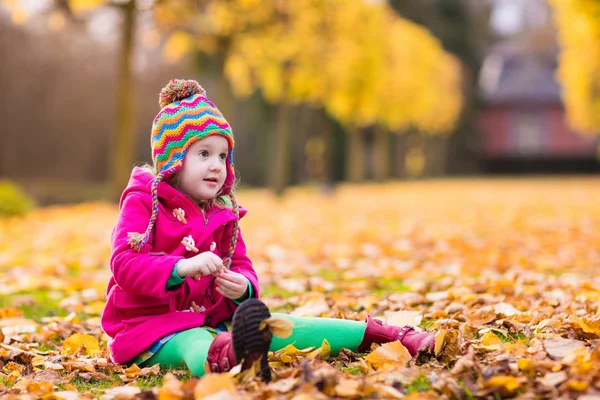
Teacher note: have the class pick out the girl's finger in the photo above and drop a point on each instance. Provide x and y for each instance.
(227, 284)
(227, 293)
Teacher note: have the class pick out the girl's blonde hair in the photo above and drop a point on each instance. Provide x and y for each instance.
(217, 201)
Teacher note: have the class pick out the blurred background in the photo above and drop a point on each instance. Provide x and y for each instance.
(318, 91)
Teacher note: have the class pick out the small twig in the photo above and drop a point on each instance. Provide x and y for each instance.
(189, 246)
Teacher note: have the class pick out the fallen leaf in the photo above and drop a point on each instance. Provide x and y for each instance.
(392, 353)
(508, 382)
(552, 379)
(348, 388)
(171, 389)
(73, 343)
(213, 384)
(557, 348)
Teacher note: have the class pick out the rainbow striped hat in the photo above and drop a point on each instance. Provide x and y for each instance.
(186, 116)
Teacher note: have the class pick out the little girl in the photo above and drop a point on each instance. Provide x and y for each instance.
(179, 264)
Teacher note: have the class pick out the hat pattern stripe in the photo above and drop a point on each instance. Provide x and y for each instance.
(200, 124)
(163, 150)
(170, 121)
(182, 104)
(178, 106)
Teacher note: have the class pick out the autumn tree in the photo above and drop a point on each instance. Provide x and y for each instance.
(578, 24)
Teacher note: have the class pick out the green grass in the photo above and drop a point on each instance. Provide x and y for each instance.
(45, 304)
(426, 324)
(95, 386)
(387, 286)
(350, 370)
(274, 290)
(513, 338)
(466, 389)
(421, 384)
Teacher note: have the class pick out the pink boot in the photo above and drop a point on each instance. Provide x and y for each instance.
(246, 344)
(415, 342)
(221, 357)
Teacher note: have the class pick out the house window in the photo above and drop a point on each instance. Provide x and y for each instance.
(528, 134)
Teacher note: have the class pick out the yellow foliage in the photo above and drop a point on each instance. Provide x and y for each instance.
(578, 24)
(177, 46)
(357, 59)
(79, 6)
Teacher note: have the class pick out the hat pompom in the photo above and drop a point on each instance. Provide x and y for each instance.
(179, 89)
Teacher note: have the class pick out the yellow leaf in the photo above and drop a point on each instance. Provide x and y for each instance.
(589, 325)
(133, 371)
(324, 351)
(525, 364)
(171, 389)
(78, 340)
(579, 386)
(289, 354)
(508, 382)
(389, 353)
(440, 340)
(280, 326)
(215, 383)
(490, 339)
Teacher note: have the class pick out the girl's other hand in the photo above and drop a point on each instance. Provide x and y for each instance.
(231, 284)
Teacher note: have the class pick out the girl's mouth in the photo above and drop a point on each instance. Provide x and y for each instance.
(212, 182)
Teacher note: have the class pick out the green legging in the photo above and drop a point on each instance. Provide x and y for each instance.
(190, 347)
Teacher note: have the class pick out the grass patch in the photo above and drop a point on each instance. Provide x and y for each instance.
(44, 304)
(95, 386)
(274, 290)
(387, 286)
(350, 370)
(426, 324)
(421, 384)
(466, 389)
(513, 337)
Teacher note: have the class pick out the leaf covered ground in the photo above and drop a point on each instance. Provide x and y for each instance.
(504, 270)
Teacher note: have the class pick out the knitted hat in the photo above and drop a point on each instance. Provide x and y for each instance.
(186, 116)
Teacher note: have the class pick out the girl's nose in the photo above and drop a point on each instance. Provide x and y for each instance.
(215, 166)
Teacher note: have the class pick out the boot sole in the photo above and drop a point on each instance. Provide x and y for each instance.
(249, 342)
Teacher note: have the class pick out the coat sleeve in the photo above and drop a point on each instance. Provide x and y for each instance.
(242, 264)
(144, 273)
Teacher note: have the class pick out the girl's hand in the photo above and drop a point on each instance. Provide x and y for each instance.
(231, 284)
(206, 263)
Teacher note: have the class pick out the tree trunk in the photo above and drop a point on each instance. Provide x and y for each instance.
(381, 156)
(279, 168)
(328, 139)
(123, 138)
(355, 155)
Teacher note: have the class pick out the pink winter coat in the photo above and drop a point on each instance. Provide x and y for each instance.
(140, 309)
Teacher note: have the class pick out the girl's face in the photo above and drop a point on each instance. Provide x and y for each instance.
(204, 168)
